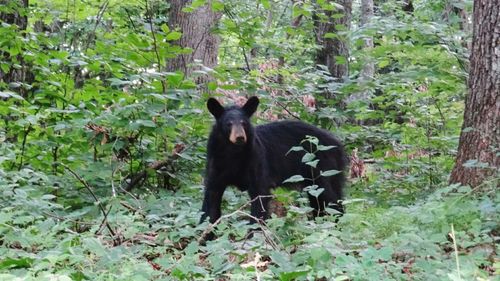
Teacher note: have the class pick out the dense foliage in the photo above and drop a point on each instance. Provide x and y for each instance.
(102, 153)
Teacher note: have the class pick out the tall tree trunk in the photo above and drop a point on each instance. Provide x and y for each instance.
(336, 46)
(480, 136)
(366, 15)
(368, 71)
(196, 28)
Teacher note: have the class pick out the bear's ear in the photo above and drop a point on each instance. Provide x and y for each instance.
(215, 107)
(251, 106)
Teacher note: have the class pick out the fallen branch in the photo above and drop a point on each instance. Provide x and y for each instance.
(139, 178)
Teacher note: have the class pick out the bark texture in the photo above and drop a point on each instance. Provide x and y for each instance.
(480, 136)
(333, 47)
(196, 28)
(366, 15)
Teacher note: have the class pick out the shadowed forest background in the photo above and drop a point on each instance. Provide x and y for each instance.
(103, 130)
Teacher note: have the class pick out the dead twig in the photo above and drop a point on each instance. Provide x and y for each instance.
(211, 226)
(266, 231)
(139, 178)
(98, 202)
(284, 107)
(103, 221)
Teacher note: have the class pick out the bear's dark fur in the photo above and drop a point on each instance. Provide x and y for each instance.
(257, 159)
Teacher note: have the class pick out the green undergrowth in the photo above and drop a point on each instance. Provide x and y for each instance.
(102, 149)
(449, 234)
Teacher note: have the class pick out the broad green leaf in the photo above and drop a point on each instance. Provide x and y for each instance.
(316, 192)
(295, 178)
(10, 95)
(295, 148)
(217, 6)
(383, 63)
(174, 35)
(12, 263)
(165, 28)
(313, 163)
(266, 4)
(308, 157)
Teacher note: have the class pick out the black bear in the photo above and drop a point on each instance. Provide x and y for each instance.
(258, 158)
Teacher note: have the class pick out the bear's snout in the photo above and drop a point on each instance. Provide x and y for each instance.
(238, 135)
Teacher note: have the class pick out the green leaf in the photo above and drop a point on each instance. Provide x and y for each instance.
(320, 254)
(10, 95)
(217, 6)
(383, 63)
(316, 191)
(313, 163)
(295, 148)
(174, 35)
(330, 35)
(212, 86)
(95, 246)
(330, 173)
(11, 263)
(292, 275)
(323, 147)
(308, 157)
(295, 178)
(165, 28)
(118, 82)
(146, 123)
(266, 4)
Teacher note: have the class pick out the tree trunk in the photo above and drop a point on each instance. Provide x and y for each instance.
(196, 28)
(366, 14)
(368, 71)
(480, 136)
(337, 46)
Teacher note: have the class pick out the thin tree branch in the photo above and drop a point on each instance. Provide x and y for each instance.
(238, 211)
(99, 204)
(155, 45)
(288, 111)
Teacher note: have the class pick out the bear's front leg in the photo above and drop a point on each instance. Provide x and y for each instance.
(212, 202)
(260, 203)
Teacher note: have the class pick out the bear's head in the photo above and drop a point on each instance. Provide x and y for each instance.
(233, 122)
